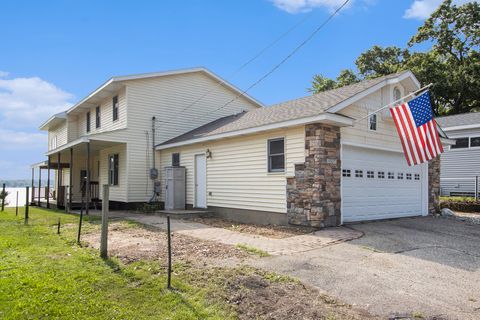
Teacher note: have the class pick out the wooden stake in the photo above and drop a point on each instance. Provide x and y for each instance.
(104, 234)
(3, 197)
(16, 206)
(169, 244)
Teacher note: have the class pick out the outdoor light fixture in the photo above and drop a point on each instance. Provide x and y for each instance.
(208, 154)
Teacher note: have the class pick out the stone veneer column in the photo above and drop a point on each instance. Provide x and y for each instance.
(434, 186)
(313, 195)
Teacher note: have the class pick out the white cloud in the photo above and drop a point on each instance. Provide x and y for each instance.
(27, 102)
(422, 9)
(3, 74)
(14, 140)
(295, 6)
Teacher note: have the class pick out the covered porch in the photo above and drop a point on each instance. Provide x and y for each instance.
(79, 169)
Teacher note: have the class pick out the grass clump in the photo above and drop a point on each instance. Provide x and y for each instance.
(252, 250)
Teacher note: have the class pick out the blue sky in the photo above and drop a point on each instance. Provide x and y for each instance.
(53, 53)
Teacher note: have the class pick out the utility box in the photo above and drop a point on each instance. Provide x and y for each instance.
(175, 188)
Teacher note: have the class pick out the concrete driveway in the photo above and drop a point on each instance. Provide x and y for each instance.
(426, 266)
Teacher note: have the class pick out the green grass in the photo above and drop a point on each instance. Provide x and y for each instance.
(459, 199)
(48, 276)
(252, 250)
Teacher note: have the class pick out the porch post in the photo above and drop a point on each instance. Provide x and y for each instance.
(58, 179)
(33, 188)
(48, 183)
(88, 179)
(70, 182)
(39, 184)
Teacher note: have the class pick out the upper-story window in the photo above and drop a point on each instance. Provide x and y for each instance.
(88, 121)
(397, 94)
(115, 108)
(461, 143)
(372, 122)
(97, 117)
(175, 159)
(475, 142)
(53, 143)
(276, 155)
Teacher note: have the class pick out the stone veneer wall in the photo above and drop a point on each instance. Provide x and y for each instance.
(313, 195)
(434, 186)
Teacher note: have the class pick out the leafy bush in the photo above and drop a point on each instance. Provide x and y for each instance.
(463, 204)
(3, 196)
(149, 207)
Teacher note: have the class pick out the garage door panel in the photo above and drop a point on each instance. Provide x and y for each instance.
(374, 195)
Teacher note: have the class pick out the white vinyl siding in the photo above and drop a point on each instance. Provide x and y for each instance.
(459, 167)
(385, 135)
(166, 98)
(237, 172)
(60, 132)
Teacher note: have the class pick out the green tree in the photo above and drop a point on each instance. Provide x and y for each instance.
(321, 83)
(452, 64)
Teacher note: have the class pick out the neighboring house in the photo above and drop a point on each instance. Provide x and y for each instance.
(461, 163)
(112, 128)
(307, 161)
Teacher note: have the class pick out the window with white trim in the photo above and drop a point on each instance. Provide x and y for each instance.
(113, 169)
(381, 175)
(358, 173)
(370, 174)
(409, 176)
(53, 143)
(475, 142)
(400, 175)
(276, 155)
(417, 176)
(461, 143)
(391, 175)
(397, 94)
(372, 122)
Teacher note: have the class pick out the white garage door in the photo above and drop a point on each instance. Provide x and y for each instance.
(380, 185)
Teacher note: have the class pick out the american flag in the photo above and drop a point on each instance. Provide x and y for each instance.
(417, 130)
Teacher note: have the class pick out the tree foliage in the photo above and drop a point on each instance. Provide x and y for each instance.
(452, 64)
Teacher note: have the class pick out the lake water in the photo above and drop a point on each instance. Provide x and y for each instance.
(12, 196)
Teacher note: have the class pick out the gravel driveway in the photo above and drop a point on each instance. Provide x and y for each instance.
(424, 266)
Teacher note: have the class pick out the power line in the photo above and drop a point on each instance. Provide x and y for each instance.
(266, 75)
(243, 66)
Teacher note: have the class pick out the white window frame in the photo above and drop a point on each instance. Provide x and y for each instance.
(372, 116)
(269, 169)
(111, 171)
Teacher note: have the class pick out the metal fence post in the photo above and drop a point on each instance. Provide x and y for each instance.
(104, 234)
(26, 206)
(476, 188)
(3, 197)
(169, 244)
(80, 222)
(16, 206)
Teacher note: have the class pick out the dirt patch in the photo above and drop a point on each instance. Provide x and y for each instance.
(270, 231)
(256, 294)
(132, 244)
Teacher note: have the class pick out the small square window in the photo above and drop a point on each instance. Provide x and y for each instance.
(276, 155)
(381, 175)
(409, 176)
(358, 173)
(400, 176)
(417, 176)
(460, 143)
(372, 122)
(391, 175)
(475, 142)
(370, 174)
(346, 173)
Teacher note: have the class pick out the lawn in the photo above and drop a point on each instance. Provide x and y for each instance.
(44, 275)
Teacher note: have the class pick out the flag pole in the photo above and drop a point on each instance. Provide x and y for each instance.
(394, 102)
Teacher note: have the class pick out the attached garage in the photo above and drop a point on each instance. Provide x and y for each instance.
(378, 184)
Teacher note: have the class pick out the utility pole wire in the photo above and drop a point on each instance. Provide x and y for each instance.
(310, 37)
(243, 66)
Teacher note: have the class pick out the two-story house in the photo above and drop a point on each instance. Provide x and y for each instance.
(107, 138)
(320, 160)
(461, 163)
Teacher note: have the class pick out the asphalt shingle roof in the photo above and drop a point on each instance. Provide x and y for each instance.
(459, 120)
(308, 106)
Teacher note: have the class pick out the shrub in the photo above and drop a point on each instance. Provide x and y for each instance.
(3, 196)
(460, 204)
(149, 207)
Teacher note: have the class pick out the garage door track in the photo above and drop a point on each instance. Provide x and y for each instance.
(424, 266)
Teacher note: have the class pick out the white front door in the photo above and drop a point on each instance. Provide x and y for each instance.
(200, 181)
(379, 184)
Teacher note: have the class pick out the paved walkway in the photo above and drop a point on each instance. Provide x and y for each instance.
(286, 246)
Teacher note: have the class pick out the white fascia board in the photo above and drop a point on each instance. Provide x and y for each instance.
(91, 95)
(336, 119)
(464, 127)
(60, 116)
(378, 86)
(68, 145)
(447, 142)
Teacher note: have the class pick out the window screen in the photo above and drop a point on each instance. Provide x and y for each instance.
(372, 122)
(475, 142)
(276, 155)
(460, 143)
(175, 159)
(97, 117)
(113, 169)
(88, 121)
(115, 108)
